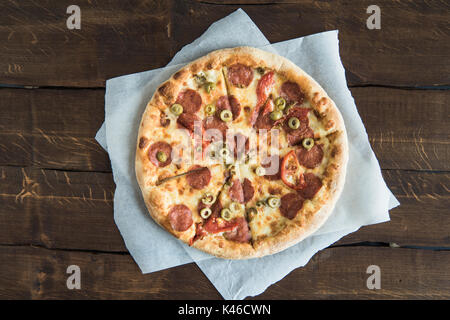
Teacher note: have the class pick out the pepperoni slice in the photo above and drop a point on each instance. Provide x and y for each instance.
(313, 185)
(222, 104)
(199, 178)
(291, 204)
(241, 233)
(292, 93)
(228, 103)
(240, 75)
(189, 121)
(295, 136)
(290, 172)
(310, 158)
(295, 139)
(235, 106)
(263, 89)
(272, 166)
(214, 123)
(301, 114)
(190, 100)
(180, 217)
(237, 191)
(249, 191)
(160, 146)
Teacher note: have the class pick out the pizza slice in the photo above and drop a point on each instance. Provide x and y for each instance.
(179, 202)
(172, 129)
(268, 135)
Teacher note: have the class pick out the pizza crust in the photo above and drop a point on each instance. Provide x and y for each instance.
(333, 178)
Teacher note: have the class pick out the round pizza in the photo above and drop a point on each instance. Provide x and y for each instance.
(241, 154)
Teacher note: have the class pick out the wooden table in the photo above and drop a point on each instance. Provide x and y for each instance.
(56, 186)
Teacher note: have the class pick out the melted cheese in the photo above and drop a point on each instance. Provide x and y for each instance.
(268, 221)
(178, 191)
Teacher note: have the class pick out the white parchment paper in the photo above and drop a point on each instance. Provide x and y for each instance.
(365, 199)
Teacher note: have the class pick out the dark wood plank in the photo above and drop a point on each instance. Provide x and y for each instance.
(412, 47)
(422, 218)
(126, 37)
(52, 128)
(408, 129)
(58, 209)
(74, 210)
(334, 273)
(36, 273)
(55, 128)
(116, 37)
(340, 273)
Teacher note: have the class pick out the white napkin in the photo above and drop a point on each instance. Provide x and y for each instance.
(365, 199)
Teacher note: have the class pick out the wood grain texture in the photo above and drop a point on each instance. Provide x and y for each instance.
(408, 129)
(52, 128)
(74, 210)
(340, 273)
(58, 209)
(412, 34)
(119, 37)
(422, 219)
(55, 128)
(116, 37)
(334, 273)
(36, 273)
(56, 186)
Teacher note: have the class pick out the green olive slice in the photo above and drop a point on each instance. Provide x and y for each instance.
(280, 103)
(209, 86)
(210, 109)
(260, 171)
(273, 202)
(161, 156)
(226, 115)
(176, 109)
(208, 198)
(276, 115)
(308, 143)
(225, 213)
(205, 213)
(200, 79)
(294, 123)
(224, 152)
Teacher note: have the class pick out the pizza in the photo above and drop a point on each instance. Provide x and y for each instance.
(241, 154)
